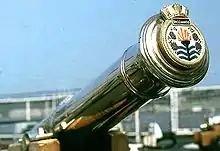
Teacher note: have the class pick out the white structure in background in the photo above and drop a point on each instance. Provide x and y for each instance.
(137, 127)
(191, 146)
(174, 112)
(155, 133)
(135, 147)
(214, 120)
(155, 129)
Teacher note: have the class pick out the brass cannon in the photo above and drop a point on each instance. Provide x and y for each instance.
(170, 52)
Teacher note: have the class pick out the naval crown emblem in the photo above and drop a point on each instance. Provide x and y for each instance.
(174, 10)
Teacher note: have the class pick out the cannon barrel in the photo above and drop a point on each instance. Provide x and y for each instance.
(170, 52)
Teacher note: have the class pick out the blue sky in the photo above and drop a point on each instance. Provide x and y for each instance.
(51, 44)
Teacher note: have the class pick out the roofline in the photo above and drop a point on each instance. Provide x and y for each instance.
(200, 88)
(32, 99)
(39, 93)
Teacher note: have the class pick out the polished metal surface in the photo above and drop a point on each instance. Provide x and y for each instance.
(171, 52)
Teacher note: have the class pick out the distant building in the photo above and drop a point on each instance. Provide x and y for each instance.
(180, 109)
(21, 110)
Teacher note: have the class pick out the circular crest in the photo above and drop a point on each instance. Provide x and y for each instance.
(182, 44)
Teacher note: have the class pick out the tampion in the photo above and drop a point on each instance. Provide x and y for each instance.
(171, 52)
